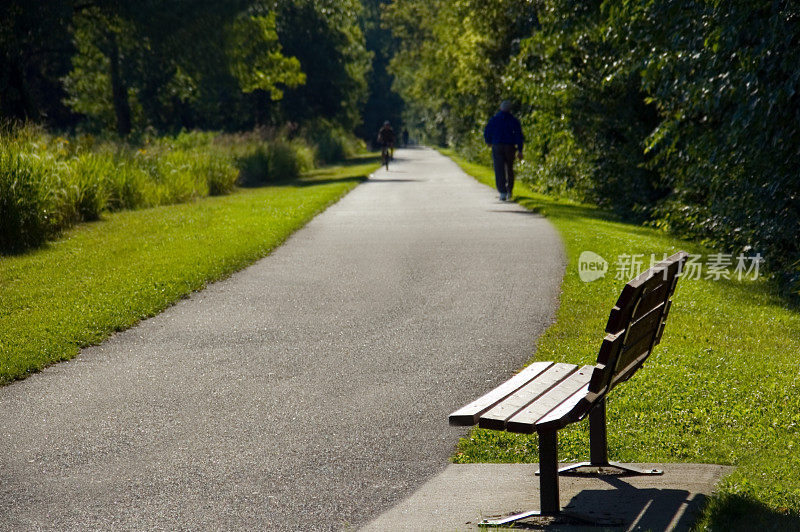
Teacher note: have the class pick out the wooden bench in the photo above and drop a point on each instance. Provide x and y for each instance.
(547, 396)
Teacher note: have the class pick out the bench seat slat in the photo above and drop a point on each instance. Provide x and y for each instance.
(525, 421)
(496, 417)
(469, 414)
(574, 408)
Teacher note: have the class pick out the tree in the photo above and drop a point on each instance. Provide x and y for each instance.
(188, 67)
(98, 84)
(255, 58)
(452, 57)
(383, 103)
(35, 49)
(325, 36)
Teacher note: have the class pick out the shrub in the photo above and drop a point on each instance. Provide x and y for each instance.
(275, 160)
(219, 173)
(50, 183)
(85, 185)
(177, 179)
(254, 166)
(127, 184)
(284, 162)
(25, 218)
(306, 155)
(330, 143)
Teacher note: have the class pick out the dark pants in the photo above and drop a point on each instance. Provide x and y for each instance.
(503, 160)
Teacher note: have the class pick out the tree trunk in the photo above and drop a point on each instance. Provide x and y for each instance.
(16, 98)
(261, 107)
(119, 92)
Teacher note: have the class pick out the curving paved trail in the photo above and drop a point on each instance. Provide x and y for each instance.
(307, 392)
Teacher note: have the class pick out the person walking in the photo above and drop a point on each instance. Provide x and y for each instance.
(503, 133)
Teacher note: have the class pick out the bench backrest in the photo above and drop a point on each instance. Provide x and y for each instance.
(636, 324)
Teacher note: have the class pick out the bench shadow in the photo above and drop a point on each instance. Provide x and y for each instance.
(624, 508)
(639, 509)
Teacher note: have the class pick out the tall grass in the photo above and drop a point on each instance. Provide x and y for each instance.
(25, 199)
(49, 183)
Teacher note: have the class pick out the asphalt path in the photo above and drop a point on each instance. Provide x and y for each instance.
(309, 391)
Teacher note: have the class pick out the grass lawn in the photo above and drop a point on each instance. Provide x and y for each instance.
(105, 276)
(723, 386)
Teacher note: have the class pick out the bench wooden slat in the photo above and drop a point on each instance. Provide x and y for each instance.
(525, 420)
(645, 326)
(609, 350)
(649, 281)
(619, 350)
(610, 347)
(496, 417)
(651, 300)
(469, 414)
(575, 407)
(663, 323)
(624, 373)
(636, 323)
(631, 352)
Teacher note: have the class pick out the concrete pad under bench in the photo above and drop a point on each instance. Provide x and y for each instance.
(464, 494)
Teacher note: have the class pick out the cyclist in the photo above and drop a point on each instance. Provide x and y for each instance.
(386, 139)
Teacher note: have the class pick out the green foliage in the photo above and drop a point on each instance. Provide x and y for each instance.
(451, 57)
(255, 57)
(34, 53)
(24, 200)
(726, 82)
(684, 115)
(326, 37)
(382, 103)
(89, 85)
(48, 184)
(163, 66)
(331, 143)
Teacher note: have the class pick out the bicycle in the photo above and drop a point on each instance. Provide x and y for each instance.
(386, 156)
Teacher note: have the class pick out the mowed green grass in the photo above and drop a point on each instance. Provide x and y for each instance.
(723, 386)
(105, 276)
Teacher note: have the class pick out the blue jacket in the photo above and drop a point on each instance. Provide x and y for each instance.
(504, 128)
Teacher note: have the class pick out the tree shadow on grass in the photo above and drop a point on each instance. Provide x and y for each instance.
(739, 513)
(309, 181)
(315, 177)
(554, 207)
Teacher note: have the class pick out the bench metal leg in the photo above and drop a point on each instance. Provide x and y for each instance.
(548, 482)
(598, 435)
(598, 447)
